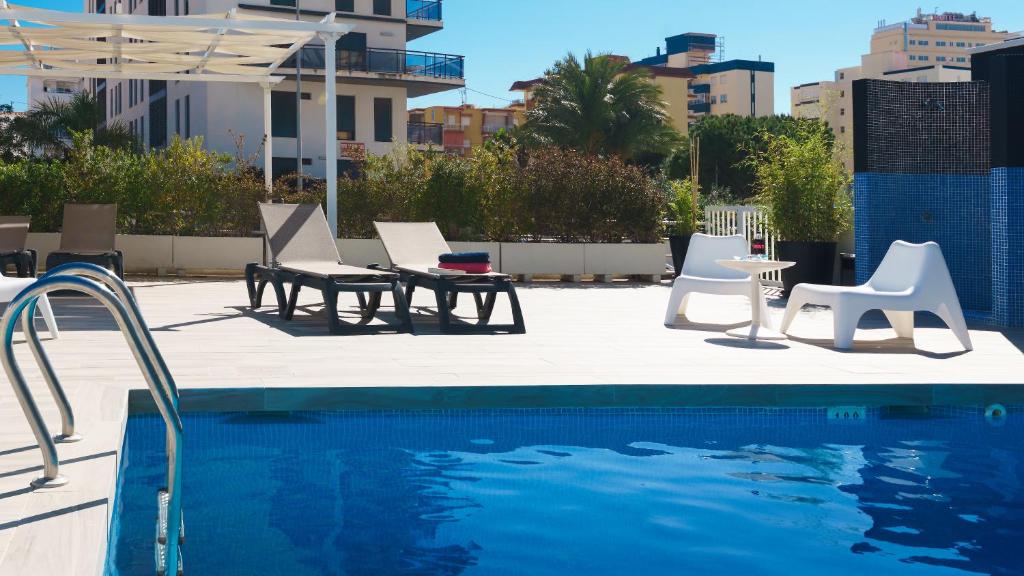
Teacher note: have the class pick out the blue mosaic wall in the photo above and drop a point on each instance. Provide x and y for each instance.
(951, 209)
(1007, 191)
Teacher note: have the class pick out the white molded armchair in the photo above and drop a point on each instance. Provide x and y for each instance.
(911, 277)
(11, 287)
(703, 275)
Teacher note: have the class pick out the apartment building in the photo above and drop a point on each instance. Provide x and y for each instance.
(695, 83)
(41, 90)
(927, 48)
(376, 75)
(460, 129)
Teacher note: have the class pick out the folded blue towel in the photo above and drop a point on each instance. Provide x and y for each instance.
(465, 258)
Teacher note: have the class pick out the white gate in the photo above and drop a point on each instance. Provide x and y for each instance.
(747, 221)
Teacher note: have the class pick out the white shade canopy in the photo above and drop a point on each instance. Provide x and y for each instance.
(227, 47)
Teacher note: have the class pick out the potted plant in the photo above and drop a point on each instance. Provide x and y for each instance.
(683, 210)
(805, 191)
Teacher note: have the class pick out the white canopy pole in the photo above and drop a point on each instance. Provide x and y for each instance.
(268, 142)
(331, 129)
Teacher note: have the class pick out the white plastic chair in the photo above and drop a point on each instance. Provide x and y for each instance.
(911, 277)
(11, 287)
(703, 275)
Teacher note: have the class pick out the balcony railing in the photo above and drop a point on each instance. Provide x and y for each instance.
(426, 133)
(423, 10)
(386, 61)
(699, 107)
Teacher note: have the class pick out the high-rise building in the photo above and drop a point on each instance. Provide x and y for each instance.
(41, 89)
(926, 48)
(695, 82)
(459, 129)
(376, 74)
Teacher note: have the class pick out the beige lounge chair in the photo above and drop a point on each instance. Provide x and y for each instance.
(304, 254)
(88, 235)
(414, 248)
(13, 237)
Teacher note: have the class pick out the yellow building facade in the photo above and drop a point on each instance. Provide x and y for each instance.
(463, 128)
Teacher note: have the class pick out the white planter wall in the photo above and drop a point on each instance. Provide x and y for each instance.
(197, 255)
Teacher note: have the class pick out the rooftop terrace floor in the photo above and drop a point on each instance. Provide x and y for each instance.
(576, 334)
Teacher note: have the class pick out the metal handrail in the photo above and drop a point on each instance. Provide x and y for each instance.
(122, 306)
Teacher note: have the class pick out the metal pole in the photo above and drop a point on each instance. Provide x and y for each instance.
(298, 107)
(268, 143)
(331, 129)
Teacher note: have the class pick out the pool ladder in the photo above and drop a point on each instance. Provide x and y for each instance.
(112, 292)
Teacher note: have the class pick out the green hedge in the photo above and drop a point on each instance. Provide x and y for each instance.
(495, 195)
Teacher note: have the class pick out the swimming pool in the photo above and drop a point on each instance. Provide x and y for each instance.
(934, 490)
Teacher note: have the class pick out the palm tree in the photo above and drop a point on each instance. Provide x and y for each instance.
(601, 106)
(49, 125)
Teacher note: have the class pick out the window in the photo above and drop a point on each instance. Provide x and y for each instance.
(188, 116)
(283, 117)
(913, 57)
(940, 42)
(922, 42)
(940, 58)
(723, 79)
(157, 8)
(714, 99)
(913, 42)
(961, 27)
(961, 44)
(158, 113)
(346, 118)
(842, 93)
(382, 7)
(177, 116)
(382, 121)
(842, 111)
(842, 75)
(922, 58)
(282, 3)
(842, 129)
(961, 59)
(723, 98)
(344, 5)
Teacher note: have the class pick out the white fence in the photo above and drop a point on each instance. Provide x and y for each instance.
(747, 221)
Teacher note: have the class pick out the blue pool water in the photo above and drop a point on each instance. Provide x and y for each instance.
(587, 491)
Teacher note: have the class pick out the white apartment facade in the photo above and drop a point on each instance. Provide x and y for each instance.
(376, 76)
(926, 48)
(40, 90)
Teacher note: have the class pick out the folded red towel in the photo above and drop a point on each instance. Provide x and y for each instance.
(468, 268)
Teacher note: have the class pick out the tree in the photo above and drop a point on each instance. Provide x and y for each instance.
(600, 107)
(49, 125)
(726, 142)
(11, 146)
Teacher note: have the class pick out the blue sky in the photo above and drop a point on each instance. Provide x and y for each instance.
(508, 40)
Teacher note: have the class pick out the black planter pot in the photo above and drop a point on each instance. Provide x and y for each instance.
(679, 244)
(815, 262)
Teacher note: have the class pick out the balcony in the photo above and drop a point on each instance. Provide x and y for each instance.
(697, 108)
(422, 18)
(421, 72)
(425, 133)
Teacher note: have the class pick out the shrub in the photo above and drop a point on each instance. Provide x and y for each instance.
(683, 207)
(803, 186)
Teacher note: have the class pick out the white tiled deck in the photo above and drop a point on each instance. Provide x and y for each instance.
(577, 334)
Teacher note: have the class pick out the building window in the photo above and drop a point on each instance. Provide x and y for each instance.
(346, 117)
(382, 7)
(157, 8)
(158, 113)
(842, 93)
(940, 42)
(177, 116)
(723, 98)
(913, 42)
(842, 111)
(961, 59)
(842, 129)
(382, 120)
(940, 58)
(922, 42)
(922, 58)
(282, 2)
(283, 116)
(344, 6)
(714, 99)
(913, 57)
(188, 116)
(961, 44)
(842, 75)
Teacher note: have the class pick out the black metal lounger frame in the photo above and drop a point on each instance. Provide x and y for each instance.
(112, 260)
(25, 262)
(257, 277)
(447, 290)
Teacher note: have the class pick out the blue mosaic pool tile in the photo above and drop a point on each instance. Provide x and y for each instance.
(1007, 213)
(950, 209)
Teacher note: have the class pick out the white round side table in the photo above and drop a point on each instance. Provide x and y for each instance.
(755, 268)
